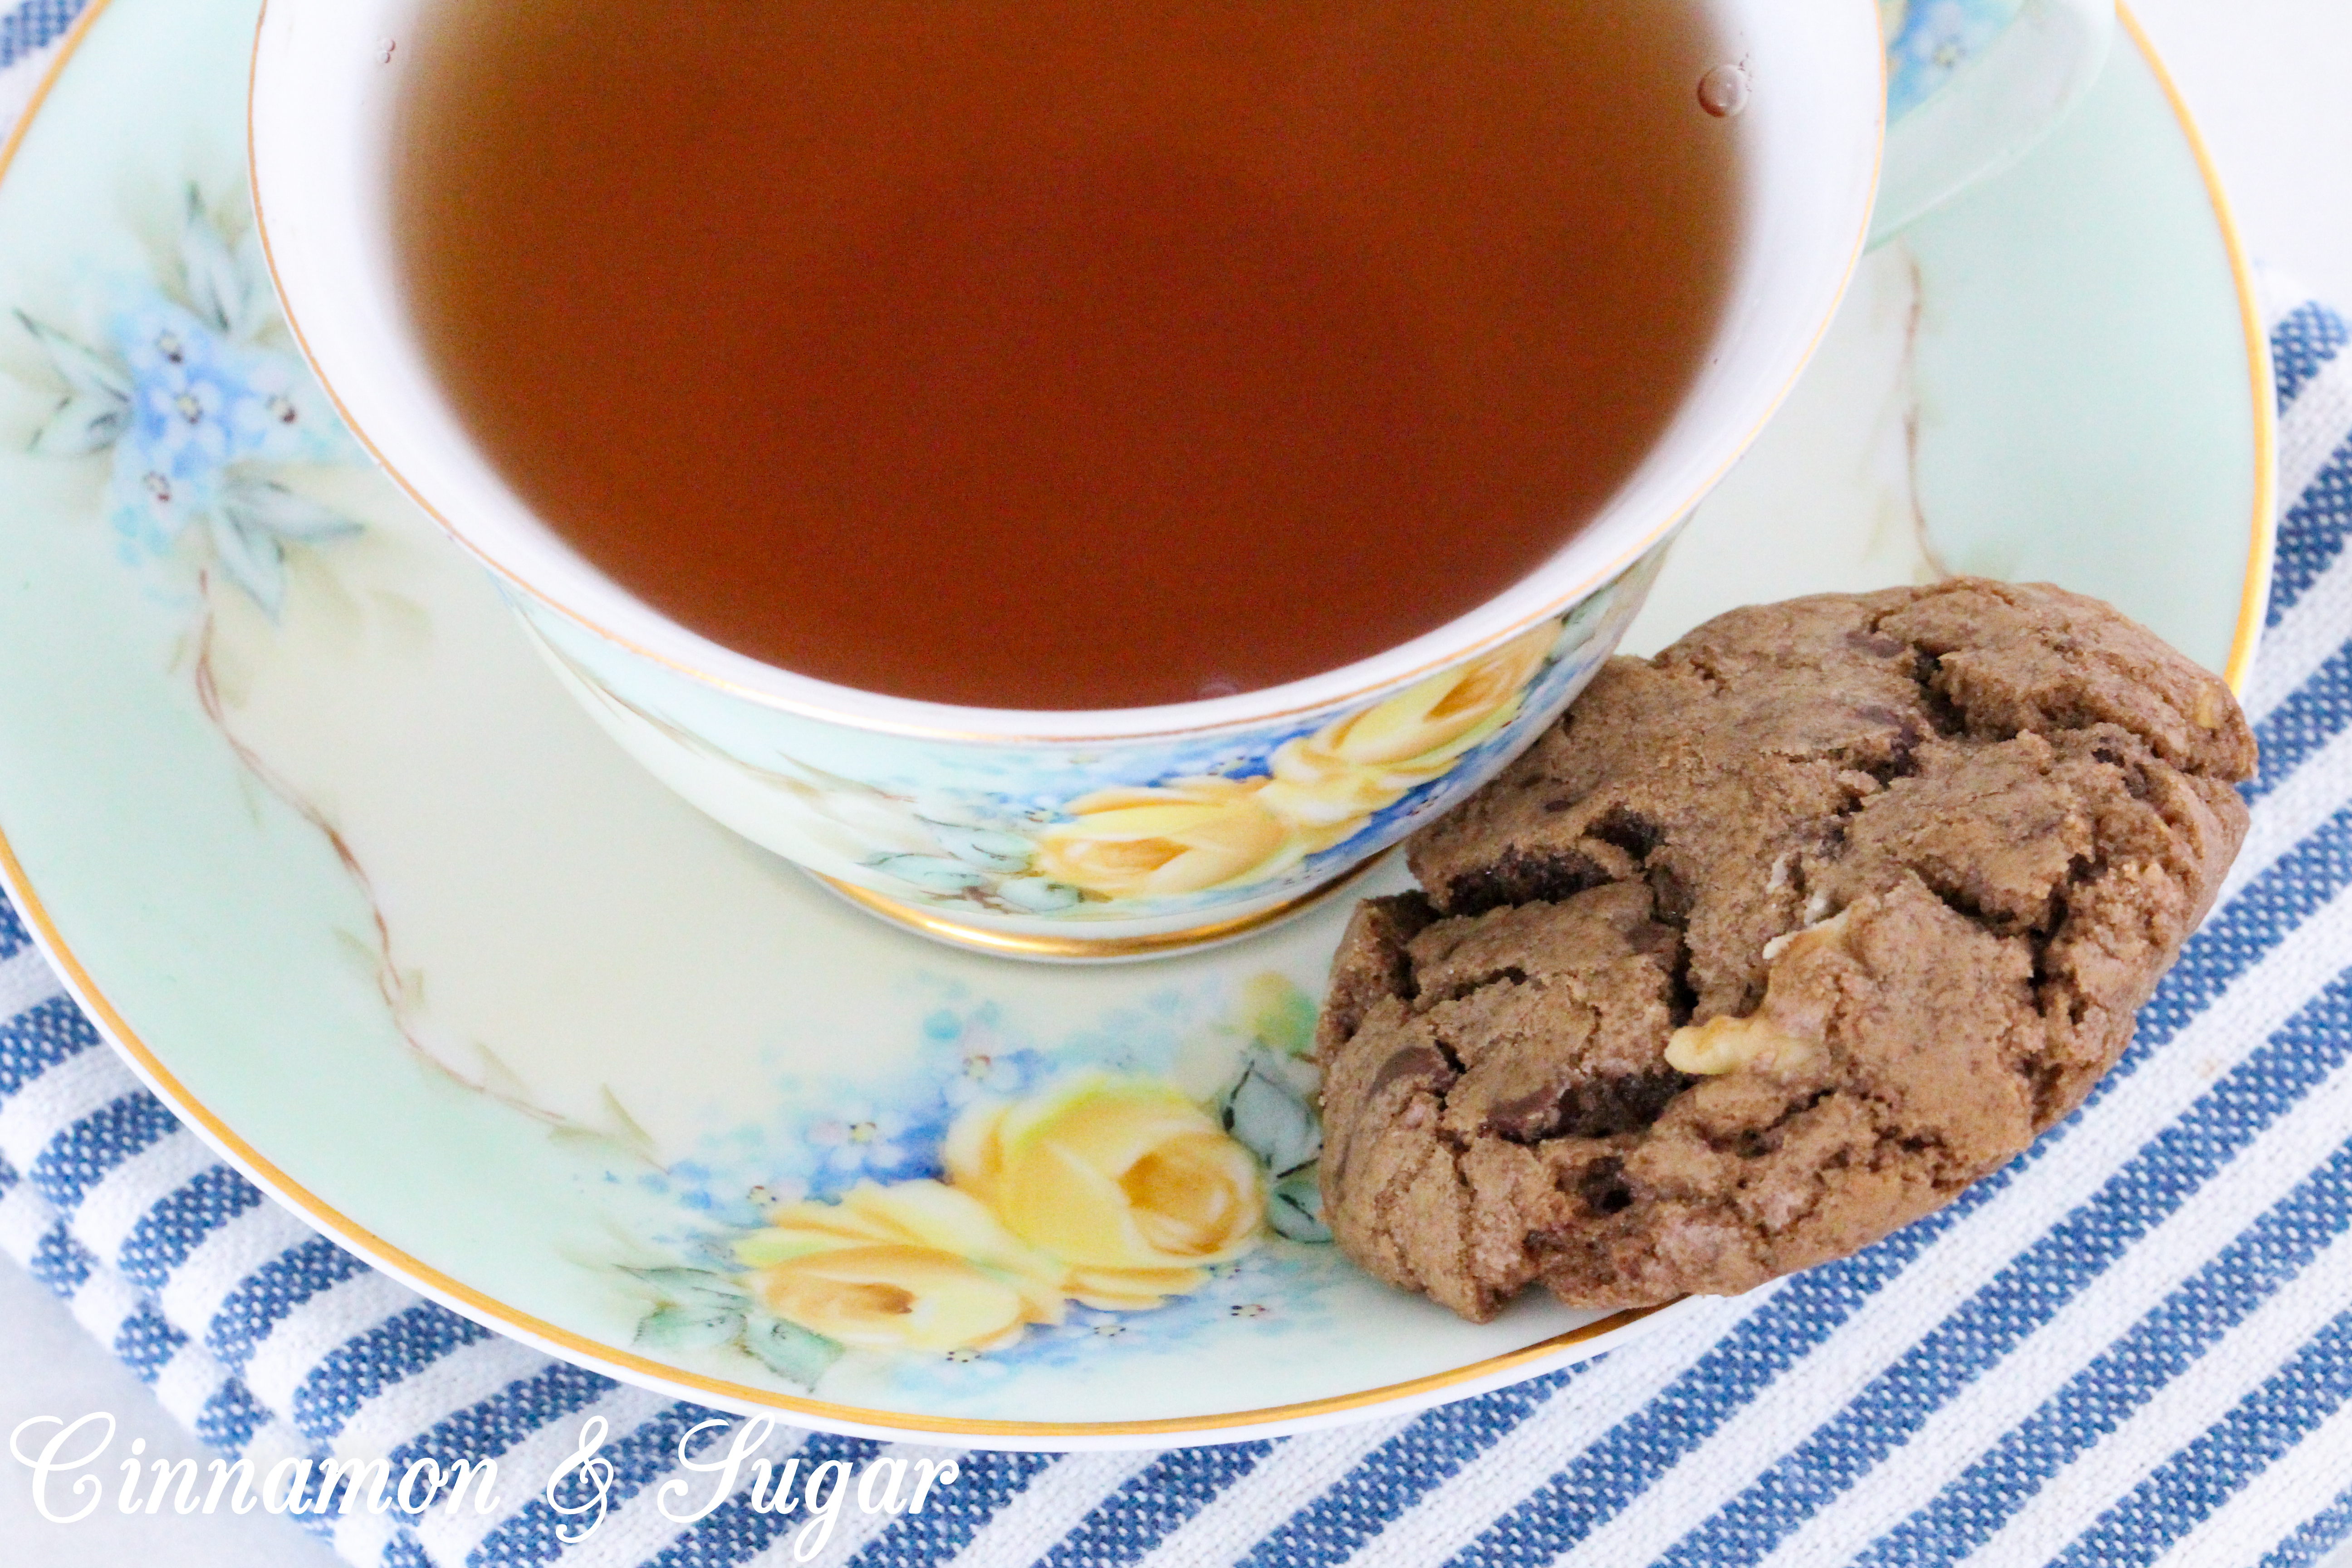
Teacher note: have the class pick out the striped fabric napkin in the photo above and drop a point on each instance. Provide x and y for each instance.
(2135, 1346)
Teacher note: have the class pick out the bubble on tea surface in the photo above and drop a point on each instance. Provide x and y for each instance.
(385, 49)
(1723, 91)
(1220, 685)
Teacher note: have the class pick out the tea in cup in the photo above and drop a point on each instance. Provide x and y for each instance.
(1079, 478)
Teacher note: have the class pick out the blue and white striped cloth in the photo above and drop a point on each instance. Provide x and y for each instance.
(2133, 1347)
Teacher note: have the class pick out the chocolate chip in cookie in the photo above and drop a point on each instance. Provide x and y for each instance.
(1774, 943)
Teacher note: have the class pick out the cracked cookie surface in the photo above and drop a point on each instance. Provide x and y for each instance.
(1773, 945)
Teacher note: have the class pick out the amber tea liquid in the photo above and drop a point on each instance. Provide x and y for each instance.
(1064, 353)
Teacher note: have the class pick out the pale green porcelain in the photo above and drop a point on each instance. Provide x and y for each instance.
(301, 812)
(1972, 86)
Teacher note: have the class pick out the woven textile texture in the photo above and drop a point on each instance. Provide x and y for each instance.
(2134, 1346)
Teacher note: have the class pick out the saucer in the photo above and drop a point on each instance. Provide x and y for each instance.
(320, 845)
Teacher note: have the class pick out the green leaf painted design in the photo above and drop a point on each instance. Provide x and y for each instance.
(694, 1287)
(86, 371)
(688, 1328)
(1294, 1207)
(97, 408)
(252, 559)
(932, 873)
(1278, 1014)
(1039, 895)
(627, 1130)
(984, 848)
(83, 423)
(796, 1355)
(270, 507)
(1271, 1116)
(217, 285)
(251, 525)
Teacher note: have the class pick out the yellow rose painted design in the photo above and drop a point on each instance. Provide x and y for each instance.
(1197, 834)
(1133, 1186)
(990, 1199)
(1342, 774)
(916, 1265)
(1184, 837)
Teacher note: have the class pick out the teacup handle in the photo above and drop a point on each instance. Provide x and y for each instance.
(1994, 107)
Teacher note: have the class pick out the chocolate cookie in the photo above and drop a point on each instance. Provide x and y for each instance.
(1775, 943)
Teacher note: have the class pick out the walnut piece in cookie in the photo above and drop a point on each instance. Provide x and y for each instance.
(1774, 943)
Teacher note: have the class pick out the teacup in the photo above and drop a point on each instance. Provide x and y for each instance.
(1119, 834)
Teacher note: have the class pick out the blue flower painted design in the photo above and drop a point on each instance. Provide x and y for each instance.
(198, 409)
(1928, 42)
(866, 1140)
(990, 1067)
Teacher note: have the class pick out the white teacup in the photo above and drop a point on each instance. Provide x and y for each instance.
(1117, 834)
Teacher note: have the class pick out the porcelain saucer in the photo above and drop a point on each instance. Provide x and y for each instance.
(369, 901)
